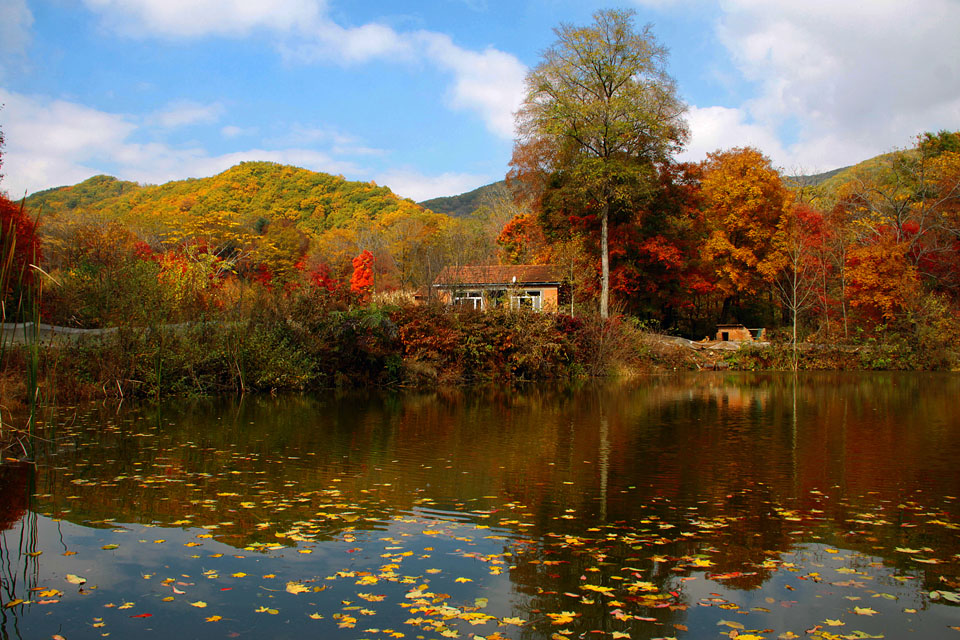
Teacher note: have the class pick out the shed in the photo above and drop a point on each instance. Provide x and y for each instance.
(739, 333)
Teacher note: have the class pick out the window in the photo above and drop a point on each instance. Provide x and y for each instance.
(527, 300)
(470, 299)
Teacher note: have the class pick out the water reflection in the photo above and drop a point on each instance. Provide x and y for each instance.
(654, 508)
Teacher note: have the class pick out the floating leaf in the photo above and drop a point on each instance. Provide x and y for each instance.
(110, 547)
(214, 618)
(297, 587)
(200, 604)
(563, 617)
(864, 611)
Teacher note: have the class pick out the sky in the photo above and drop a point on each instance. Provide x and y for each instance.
(419, 96)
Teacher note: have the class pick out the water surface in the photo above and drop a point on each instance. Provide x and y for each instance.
(691, 506)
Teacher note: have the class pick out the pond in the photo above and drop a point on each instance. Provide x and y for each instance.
(694, 506)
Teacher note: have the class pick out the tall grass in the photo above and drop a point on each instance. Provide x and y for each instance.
(20, 295)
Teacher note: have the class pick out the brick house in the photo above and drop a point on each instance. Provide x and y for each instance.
(523, 286)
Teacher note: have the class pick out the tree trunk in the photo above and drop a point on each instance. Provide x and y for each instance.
(604, 264)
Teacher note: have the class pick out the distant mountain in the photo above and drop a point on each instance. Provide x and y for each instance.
(250, 192)
(466, 203)
(817, 178)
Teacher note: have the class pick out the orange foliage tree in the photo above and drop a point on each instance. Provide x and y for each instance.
(882, 281)
(521, 241)
(744, 200)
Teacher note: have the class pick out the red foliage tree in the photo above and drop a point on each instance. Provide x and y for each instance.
(19, 248)
(321, 277)
(361, 283)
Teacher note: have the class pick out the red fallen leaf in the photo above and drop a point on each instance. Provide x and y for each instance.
(142, 615)
(226, 588)
(354, 550)
(675, 594)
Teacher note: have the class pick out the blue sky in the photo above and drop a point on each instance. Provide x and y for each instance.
(419, 96)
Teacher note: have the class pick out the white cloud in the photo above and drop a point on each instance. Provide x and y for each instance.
(190, 18)
(411, 184)
(15, 22)
(336, 141)
(184, 113)
(51, 142)
(54, 142)
(713, 128)
(857, 79)
(233, 131)
(488, 82)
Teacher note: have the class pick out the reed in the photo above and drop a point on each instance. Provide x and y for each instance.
(20, 296)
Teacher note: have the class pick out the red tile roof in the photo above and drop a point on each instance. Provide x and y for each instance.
(520, 274)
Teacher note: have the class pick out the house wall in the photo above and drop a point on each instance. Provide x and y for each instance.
(549, 294)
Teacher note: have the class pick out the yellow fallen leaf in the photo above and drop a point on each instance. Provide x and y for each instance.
(464, 580)
(315, 616)
(296, 587)
(239, 574)
(864, 611)
(200, 604)
(562, 618)
(833, 623)
(214, 619)
(369, 597)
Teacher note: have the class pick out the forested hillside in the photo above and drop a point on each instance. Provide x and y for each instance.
(467, 203)
(250, 191)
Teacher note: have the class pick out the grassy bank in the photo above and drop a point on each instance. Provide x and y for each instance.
(894, 355)
(307, 342)
(311, 341)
